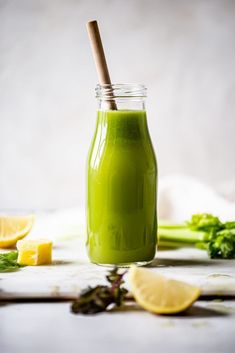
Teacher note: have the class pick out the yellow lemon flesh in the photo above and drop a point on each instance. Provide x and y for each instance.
(159, 294)
(34, 252)
(14, 228)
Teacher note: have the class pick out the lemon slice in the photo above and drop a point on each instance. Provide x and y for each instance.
(14, 228)
(159, 294)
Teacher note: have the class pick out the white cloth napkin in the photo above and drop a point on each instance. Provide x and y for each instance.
(181, 196)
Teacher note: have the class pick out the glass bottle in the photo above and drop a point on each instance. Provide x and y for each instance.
(121, 180)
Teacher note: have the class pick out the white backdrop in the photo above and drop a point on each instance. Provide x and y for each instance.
(184, 51)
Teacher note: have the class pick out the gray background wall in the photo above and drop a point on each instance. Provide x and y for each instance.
(183, 50)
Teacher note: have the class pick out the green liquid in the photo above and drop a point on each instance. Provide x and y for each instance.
(121, 190)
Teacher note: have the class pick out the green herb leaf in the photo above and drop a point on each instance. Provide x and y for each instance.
(222, 245)
(8, 261)
(94, 300)
(205, 222)
(203, 231)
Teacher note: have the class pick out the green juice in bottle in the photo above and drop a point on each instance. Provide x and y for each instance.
(121, 182)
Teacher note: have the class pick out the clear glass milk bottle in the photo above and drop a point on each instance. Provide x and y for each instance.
(121, 180)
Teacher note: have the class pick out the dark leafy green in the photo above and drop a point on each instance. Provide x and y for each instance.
(94, 300)
(8, 261)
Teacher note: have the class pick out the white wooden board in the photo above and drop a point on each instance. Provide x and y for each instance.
(71, 271)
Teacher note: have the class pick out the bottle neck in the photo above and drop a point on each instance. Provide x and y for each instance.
(121, 104)
(122, 125)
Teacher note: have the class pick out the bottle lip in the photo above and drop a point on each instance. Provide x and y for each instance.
(121, 90)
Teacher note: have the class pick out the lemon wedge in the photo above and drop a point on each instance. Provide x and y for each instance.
(159, 294)
(13, 228)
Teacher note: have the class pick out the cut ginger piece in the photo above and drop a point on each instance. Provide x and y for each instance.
(34, 252)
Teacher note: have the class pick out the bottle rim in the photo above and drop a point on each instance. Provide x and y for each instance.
(120, 90)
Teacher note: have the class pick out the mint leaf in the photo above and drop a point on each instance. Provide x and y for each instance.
(8, 261)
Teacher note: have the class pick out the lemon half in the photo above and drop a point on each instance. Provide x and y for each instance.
(159, 294)
(13, 228)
